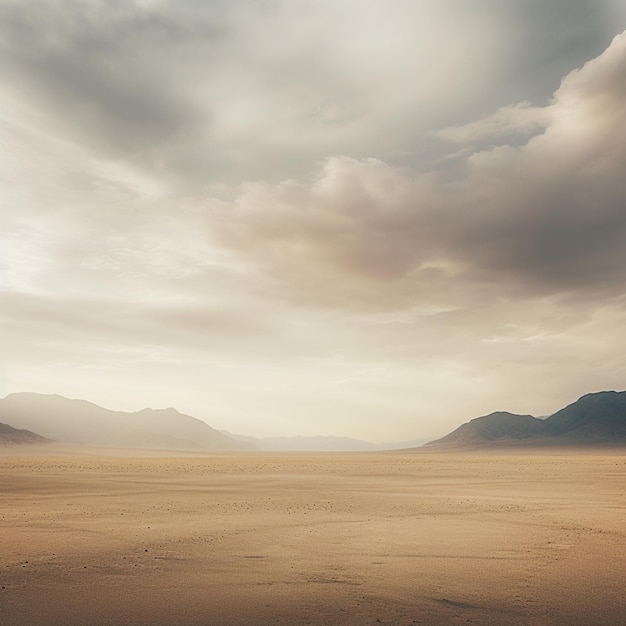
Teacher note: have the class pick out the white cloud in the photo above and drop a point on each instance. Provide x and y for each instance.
(520, 120)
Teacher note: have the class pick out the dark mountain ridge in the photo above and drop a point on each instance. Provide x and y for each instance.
(594, 419)
(497, 426)
(593, 416)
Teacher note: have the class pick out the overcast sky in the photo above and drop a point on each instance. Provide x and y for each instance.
(333, 217)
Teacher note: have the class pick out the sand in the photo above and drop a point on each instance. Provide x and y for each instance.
(102, 537)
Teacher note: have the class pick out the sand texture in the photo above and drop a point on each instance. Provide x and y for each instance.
(88, 537)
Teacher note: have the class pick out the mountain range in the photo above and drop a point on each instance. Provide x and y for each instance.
(81, 422)
(319, 443)
(594, 419)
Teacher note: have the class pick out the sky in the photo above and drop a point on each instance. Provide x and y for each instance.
(314, 217)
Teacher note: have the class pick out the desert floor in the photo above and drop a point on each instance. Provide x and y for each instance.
(94, 537)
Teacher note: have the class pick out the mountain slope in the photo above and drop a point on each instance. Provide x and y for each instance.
(498, 426)
(17, 436)
(596, 418)
(81, 422)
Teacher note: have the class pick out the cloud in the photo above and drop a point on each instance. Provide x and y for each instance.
(542, 218)
(228, 91)
(243, 90)
(520, 120)
(111, 75)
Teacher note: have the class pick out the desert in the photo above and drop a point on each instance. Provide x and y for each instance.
(521, 536)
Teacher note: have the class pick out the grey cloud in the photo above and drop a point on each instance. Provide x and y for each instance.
(552, 212)
(111, 72)
(551, 39)
(204, 91)
(543, 218)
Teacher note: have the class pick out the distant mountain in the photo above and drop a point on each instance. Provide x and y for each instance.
(498, 426)
(320, 443)
(404, 445)
(595, 419)
(77, 421)
(17, 436)
(307, 444)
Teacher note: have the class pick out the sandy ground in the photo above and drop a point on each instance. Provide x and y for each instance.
(90, 537)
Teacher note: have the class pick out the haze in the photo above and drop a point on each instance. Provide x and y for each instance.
(314, 218)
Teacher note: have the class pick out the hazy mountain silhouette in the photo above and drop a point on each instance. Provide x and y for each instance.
(301, 443)
(594, 419)
(14, 436)
(322, 443)
(77, 421)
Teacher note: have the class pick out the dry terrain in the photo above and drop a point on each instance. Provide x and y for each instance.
(95, 537)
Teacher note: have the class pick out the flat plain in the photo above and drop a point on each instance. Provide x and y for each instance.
(111, 537)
